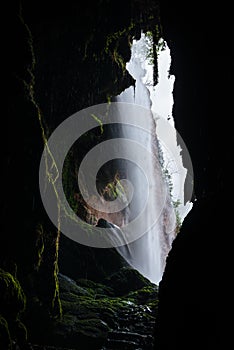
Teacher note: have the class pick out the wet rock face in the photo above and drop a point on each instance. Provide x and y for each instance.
(94, 316)
(126, 280)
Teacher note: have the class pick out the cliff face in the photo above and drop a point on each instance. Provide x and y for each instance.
(189, 312)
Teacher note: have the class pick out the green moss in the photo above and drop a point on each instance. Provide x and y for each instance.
(105, 308)
(93, 327)
(108, 98)
(145, 295)
(97, 303)
(40, 246)
(98, 121)
(116, 36)
(91, 311)
(12, 304)
(153, 305)
(69, 286)
(126, 280)
(114, 189)
(88, 333)
(56, 302)
(13, 299)
(113, 43)
(51, 170)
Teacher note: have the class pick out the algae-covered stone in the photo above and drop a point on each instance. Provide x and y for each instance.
(146, 295)
(126, 280)
(100, 289)
(13, 299)
(12, 303)
(68, 285)
(73, 332)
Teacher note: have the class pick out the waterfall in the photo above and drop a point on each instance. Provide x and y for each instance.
(148, 253)
(137, 192)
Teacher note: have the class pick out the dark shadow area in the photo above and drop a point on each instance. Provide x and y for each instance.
(192, 294)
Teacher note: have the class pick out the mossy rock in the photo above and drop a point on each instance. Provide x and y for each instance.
(89, 318)
(81, 309)
(67, 297)
(126, 280)
(76, 333)
(146, 295)
(12, 304)
(67, 285)
(13, 300)
(5, 338)
(98, 289)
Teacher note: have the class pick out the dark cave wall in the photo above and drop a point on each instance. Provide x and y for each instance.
(201, 46)
(81, 49)
(192, 291)
(61, 57)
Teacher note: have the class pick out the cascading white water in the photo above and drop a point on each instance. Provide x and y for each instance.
(148, 253)
(146, 243)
